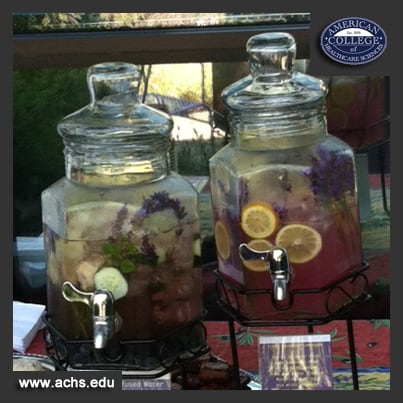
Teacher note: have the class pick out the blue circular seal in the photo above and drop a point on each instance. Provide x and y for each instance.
(353, 40)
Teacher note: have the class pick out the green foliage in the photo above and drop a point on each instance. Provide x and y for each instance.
(43, 22)
(121, 254)
(41, 99)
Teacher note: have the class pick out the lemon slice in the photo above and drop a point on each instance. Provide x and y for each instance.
(258, 265)
(259, 220)
(222, 240)
(302, 242)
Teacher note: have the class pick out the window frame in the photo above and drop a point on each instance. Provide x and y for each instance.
(147, 46)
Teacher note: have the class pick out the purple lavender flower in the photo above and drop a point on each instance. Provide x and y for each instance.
(121, 216)
(331, 173)
(281, 212)
(160, 201)
(142, 213)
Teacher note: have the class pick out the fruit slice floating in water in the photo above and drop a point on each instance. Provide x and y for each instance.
(111, 279)
(258, 265)
(222, 240)
(259, 220)
(301, 241)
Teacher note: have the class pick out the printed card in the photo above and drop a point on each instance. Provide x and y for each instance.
(296, 362)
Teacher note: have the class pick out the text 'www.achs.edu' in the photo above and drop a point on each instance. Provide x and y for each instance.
(66, 383)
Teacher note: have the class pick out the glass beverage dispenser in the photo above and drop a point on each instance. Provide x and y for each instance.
(284, 198)
(121, 233)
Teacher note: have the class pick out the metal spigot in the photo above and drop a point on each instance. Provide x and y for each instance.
(103, 315)
(278, 265)
(103, 312)
(280, 272)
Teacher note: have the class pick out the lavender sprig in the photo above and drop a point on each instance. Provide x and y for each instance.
(332, 178)
(160, 201)
(331, 174)
(121, 216)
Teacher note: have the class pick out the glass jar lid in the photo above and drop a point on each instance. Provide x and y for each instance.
(115, 114)
(273, 85)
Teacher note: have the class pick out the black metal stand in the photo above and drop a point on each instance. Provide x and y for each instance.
(151, 358)
(230, 305)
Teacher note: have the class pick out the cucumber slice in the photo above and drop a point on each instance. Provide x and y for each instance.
(111, 279)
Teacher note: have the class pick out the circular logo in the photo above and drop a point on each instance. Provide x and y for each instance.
(353, 40)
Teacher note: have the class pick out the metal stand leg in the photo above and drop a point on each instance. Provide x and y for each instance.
(234, 350)
(383, 182)
(351, 343)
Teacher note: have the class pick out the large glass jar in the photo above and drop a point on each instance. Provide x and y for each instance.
(121, 232)
(284, 198)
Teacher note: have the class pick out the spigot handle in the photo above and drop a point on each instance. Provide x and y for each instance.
(277, 264)
(101, 302)
(248, 253)
(73, 294)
